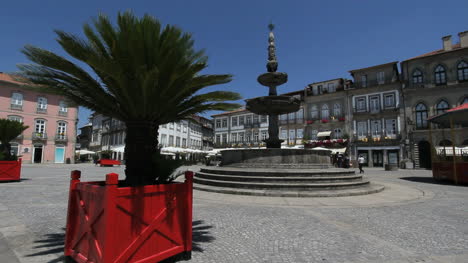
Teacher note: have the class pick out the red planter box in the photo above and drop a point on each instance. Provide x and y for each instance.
(444, 171)
(109, 162)
(324, 121)
(107, 223)
(10, 170)
(310, 122)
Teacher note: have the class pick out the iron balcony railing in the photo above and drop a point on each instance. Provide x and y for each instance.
(16, 107)
(41, 110)
(63, 113)
(252, 125)
(61, 137)
(39, 136)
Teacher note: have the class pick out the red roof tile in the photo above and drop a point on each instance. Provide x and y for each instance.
(435, 52)
(229, 112)
(7, 78)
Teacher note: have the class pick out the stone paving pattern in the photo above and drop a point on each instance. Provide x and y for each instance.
(413, 220)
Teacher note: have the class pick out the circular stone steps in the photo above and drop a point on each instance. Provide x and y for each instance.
(283, 182)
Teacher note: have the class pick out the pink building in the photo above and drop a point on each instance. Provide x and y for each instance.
(51, 135)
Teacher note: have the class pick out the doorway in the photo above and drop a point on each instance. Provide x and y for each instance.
(424, 148)
(377, 158)
(59, 154)
(37, 155)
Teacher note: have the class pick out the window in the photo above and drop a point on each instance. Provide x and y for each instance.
(389, 100)
(462, 70)
(14, 150)
(362, 129)
(171, 140)
(177, 141)
(163, 141)
(241, 120)
(184, 129)
(331, 87)
(248, 136)
(241, 136)
(41, 104)
(313, 134)
(218, 138)
(234, 121)
(255, 118)
(292, 135)
(63, 106)
(376, 128)
(264, 135)
(16, 118)
(380, 77)
(292, 117)
(374, 103)
(417, 77)
(284, 134)
(263, 118)
(184, 142)
(171, 126)
(218, 123)
(313, 112)
(364, 81)
(325, 111)
(178, 127)
(337, 134)
(440, 75)
(300, 133)
(337, 110)
(234, 137)
(361, 104)
(255, 138)
(442, 107)
(390, 127)
(300, 115)
(421, 116)
(248, 119)
(17, 101)
(61, 130)
(225, 137)
(320, 89)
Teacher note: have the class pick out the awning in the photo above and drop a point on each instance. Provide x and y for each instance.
(324, 134)
(83, 152)
(119, 149)
(449, 150)
(457, 114)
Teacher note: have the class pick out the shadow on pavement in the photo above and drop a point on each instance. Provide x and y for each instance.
(427, 180)
(51, 244)
(54, 243)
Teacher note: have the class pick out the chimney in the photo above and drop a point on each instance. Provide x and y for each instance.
(447, 41)
(463, 39)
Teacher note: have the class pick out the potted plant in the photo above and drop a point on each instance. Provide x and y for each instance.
(324, 120)
(10, 165)
(341, 118)
(145, 75)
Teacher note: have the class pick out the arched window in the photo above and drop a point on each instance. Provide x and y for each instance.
(313, 112)
(325, 112)
(417, 77)
(462, 70)
(421, 116)
(440, 75)
(442, 107)
(337, 110)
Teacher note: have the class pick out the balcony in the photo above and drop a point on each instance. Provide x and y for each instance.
(42, 136)
(63, 113)
(16, 107)
(380, 140)
(252, 125)
(41, 110)
(61, 137)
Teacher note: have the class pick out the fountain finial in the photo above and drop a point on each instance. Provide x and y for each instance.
(272, 64)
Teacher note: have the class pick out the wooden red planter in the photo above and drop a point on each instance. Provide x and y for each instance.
(10, 170)
(107, 223)
(109, 162)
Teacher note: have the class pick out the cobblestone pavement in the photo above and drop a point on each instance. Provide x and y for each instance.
(413, 220)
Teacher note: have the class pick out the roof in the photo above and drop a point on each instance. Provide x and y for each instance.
(457, 114)
(229, 112)
(437, 52)
(294, 92)
(8, 78)
(376, 66)
(324, 81)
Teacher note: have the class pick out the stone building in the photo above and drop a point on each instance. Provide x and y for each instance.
(51, 136)
(292, 125)
(327, 112)
(375, 100)
(433, 83)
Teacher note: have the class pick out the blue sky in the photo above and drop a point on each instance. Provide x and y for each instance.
(316, 40)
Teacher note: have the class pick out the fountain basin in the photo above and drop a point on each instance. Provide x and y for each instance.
(275, 105)
(272, 79)
(277, 158)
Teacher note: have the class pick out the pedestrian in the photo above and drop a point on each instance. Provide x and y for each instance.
(361, 161)
(346, 161)
(340, 161)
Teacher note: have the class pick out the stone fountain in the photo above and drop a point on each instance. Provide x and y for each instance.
(275, 171)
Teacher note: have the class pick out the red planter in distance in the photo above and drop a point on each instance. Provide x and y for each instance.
(10, 170)
(111, 224)
(342, 119)
(324, 121)
(108, 162)
(310, 122)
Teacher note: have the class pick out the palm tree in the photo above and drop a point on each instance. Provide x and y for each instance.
(9, 130)
(143, 74)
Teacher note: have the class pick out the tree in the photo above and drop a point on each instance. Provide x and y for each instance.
(143, 74)
(9, 130)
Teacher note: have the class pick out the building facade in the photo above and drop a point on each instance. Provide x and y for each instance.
(433, 83)
(292, 125)
(51, 136)
(375, 99)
